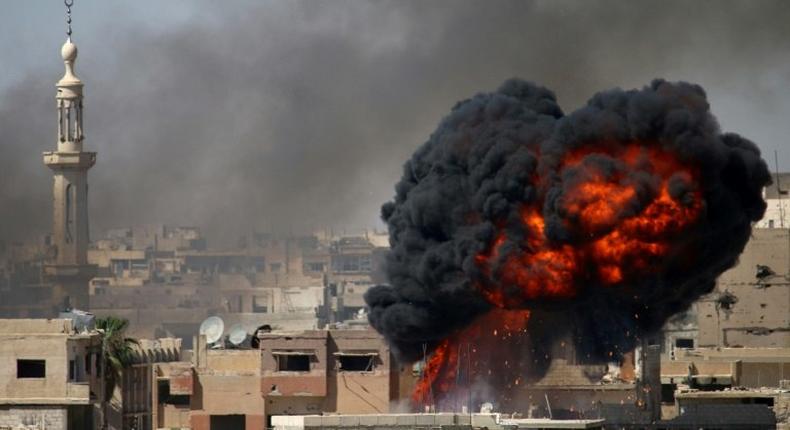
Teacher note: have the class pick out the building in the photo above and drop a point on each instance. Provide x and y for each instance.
(626, 395)
(70, 272)
(49, 375)
(337, 371)
(294, 283)
(226, 389)
(734, 344)
(42, 278)
(731, 409)
(777, 197)
(751, 304)
(428, 421)
(242, 387)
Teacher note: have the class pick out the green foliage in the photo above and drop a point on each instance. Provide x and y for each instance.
(117, 351)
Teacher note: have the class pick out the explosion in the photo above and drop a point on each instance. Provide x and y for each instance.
(516, 226)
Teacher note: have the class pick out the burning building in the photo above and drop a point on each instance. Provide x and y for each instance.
(516, 228)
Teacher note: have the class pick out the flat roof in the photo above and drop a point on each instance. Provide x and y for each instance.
(433, 420)
(546, 423)
(731, 394)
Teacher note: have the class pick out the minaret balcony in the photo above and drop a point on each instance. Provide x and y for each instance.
(69, 160)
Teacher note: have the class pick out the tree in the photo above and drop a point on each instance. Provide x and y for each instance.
(117, 354)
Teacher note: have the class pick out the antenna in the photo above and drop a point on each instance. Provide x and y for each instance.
(212, 328)
(237, 335)
(69, 4)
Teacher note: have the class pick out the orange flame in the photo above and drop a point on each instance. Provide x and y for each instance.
(621, 233)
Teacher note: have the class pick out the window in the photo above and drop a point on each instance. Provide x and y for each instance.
(351, 263)
(178, 399)
(163, 389)
(314, 267)
(69, 216)
(259, 304)
(88, 363)
(275, 267)
(31, 368)
(293, 362)
(684, 343)
(72, 370)
(356, 362)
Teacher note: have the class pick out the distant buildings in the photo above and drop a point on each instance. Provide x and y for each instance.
(166, 287)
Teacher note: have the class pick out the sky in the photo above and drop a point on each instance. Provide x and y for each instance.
(290, 115)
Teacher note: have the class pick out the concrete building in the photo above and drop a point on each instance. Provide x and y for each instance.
(732, 409)
(70, 271)
(338, 371)
(777, 197)
(49, 375)
(134, 404)
(750, 306)
(427, 421)
(736, 340)
(317, 371)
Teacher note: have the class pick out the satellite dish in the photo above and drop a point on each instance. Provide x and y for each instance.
(237, 335)
(212, 327)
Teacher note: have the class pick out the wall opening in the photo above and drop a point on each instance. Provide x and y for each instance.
(684, 343)
(668, 393)
(69, 215)
(165, 397)
(356, 363)
(31, 369)
(227, 422)
(293, 363)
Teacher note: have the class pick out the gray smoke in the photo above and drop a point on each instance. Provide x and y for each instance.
(295, 115)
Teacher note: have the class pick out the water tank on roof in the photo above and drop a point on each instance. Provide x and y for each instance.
(83, 321)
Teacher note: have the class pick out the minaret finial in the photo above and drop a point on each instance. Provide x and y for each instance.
(69, 4)
(69, 50)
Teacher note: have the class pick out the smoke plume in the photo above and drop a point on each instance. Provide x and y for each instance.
(256, 114)
(516, 225)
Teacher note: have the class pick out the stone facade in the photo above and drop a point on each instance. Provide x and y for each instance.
(33, 418)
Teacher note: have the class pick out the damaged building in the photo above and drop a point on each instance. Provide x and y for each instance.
(732, 348)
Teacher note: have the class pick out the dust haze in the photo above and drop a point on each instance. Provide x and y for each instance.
(297, 115)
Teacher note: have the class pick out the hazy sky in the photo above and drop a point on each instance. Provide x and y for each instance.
(293, 115)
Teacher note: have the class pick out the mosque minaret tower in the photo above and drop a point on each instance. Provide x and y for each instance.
(70, 271)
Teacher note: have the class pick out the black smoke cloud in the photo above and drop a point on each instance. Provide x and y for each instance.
(299, 113)
(497, 151)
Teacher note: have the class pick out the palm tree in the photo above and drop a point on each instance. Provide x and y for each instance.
(117, 354)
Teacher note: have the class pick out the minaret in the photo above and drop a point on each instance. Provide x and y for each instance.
(70, 271)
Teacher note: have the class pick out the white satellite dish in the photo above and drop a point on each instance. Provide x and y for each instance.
(212, 328)
(237, 335)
